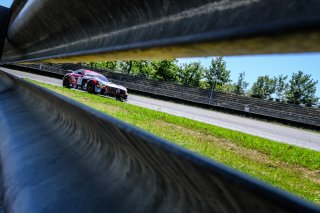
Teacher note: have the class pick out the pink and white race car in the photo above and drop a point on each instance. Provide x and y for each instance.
(94, 83)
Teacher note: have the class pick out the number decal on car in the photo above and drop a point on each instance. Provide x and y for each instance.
(79, 81)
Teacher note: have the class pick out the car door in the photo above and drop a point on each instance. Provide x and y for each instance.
(79, 75)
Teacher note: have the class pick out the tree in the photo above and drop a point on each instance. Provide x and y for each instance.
(141, 67)
(190, 74)
(227, 88)
(264, 87)
(103, 65)
(165, 70)
(241, 86)
(302, 89)
(217, 74)
(144, 68)
(126, 66)
(281, 86)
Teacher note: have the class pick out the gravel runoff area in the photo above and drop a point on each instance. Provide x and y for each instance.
(281, 133)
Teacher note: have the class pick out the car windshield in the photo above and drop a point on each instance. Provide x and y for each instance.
(98, 77)
(101, 78)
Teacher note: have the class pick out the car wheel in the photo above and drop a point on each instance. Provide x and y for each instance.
(66, 83)
(119, 98)
(102, 92)
(78, 87)
(91, 88)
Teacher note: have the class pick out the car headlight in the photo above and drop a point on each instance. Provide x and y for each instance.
(101, 84)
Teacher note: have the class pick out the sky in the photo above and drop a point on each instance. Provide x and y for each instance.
(6, 3)
(254, 66)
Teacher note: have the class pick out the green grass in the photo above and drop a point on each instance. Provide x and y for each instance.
(292, 168)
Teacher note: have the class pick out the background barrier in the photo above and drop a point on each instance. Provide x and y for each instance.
(283, 111)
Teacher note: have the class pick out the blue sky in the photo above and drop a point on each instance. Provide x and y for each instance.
(6, 3)
(254, 66)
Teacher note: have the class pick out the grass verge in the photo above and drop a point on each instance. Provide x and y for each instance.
(291, 168)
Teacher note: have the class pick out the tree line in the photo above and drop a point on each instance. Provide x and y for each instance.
(299, 89)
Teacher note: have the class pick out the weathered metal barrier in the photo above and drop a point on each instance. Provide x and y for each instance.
(60, 156)
(282, 111)
(73, 30)
(303, 116)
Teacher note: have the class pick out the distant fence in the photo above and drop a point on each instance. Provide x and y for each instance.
(284, 111)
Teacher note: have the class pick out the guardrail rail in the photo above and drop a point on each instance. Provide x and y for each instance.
(60, 156)
(282, 111)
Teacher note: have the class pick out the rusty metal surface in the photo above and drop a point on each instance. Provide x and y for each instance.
(80, 160)
(60, 31)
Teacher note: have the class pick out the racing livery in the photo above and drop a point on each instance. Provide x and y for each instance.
(94, 83)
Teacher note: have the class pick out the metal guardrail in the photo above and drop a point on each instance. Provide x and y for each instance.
(80, 160)
(60, 156)
(290, 112)
(159, 29)
(283, 111)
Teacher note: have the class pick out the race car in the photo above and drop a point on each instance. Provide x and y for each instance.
(94, 83)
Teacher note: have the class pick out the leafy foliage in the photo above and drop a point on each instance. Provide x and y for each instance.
(141, 67)
(302, 89)
(217, 74)
(126, 66)
(165, 70)
(264, 87)
(191, 74)
(241, 86)
(103, 65)
(281, 86)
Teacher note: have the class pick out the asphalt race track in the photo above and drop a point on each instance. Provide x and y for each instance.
(298, 137)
